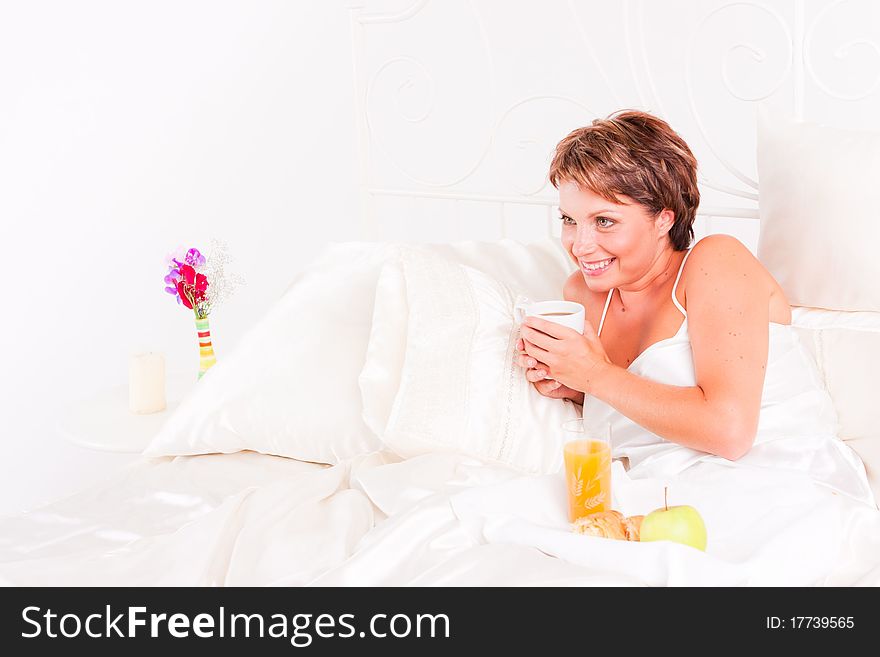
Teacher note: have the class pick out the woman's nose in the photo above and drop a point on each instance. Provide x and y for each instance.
(584, 242)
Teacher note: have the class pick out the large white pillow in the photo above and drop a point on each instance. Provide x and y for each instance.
(290, 387)
(820, 221)
(537, 269)
(440, 373)
(846, 347)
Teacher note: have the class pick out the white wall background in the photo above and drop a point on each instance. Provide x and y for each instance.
(129, 127)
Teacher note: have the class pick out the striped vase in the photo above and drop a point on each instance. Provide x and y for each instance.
(206, 351)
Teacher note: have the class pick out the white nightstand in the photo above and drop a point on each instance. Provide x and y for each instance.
(104, 422)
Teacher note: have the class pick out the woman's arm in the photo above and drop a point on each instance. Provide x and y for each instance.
(679, 414)
(728, 318)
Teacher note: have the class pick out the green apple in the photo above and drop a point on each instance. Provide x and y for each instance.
(682, 524)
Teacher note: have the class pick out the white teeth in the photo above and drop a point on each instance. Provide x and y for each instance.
(598, 265)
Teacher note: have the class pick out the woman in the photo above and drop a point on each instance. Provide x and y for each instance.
(687, 352)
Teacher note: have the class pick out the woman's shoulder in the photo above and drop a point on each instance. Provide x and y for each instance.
(575, 289)
(722, 255)
(721, 262)
(719, 245)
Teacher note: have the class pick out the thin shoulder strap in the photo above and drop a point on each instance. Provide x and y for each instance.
(605, 311)
(675, 286)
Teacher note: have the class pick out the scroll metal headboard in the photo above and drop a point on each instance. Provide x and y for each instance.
(459, 103)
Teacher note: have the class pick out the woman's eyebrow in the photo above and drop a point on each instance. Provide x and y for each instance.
(597, 212)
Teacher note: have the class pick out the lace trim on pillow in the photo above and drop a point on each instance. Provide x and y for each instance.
(820, 356)
(448, 315)
(513, 379)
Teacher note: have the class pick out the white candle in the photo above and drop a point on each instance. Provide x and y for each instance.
(146, 383)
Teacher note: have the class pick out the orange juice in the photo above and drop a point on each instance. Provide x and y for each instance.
(588, 476)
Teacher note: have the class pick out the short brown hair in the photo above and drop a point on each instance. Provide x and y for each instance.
(637, 155)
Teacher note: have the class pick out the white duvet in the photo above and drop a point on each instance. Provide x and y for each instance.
(447, 500)
(437, 519)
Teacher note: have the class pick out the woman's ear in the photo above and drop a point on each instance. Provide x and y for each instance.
(665, 221)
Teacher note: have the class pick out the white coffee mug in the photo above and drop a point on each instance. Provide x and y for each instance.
(566, 313)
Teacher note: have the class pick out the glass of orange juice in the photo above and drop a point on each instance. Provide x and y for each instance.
(587, 454)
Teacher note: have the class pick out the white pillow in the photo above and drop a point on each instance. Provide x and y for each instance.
(846, 347)
(440, 373)
(820, 222)
(538, 269)
(290, 387)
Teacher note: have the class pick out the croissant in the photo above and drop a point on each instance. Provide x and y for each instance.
(609, 524)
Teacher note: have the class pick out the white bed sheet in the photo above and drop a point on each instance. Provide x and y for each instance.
(437, 519)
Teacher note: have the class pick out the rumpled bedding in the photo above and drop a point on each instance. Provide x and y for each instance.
(437, 519)
(475, 499)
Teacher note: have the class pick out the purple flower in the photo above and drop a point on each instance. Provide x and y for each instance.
(172, 277)
(194, 258)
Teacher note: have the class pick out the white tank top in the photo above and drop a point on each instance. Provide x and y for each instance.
(797, 424)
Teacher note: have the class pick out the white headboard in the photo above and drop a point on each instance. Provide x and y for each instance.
(459, 103)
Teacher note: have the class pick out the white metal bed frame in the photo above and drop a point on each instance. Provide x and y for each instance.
(800, 70)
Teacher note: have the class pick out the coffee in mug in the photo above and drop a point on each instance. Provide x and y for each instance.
(565, 313)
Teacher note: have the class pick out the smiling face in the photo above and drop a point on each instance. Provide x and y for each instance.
(613, 244)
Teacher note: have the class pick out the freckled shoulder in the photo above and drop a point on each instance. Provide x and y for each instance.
(723, 257)
(722, 254)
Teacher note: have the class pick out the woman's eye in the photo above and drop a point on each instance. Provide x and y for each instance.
(567, 221)
(608, 222)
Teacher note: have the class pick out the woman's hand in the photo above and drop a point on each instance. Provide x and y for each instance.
(574, 360)
(536, 374)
